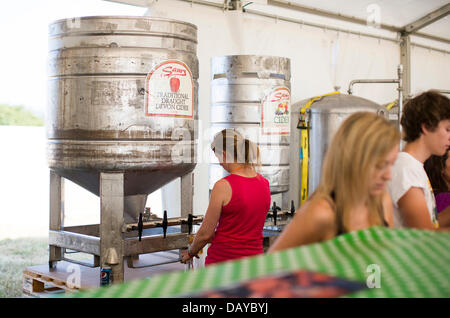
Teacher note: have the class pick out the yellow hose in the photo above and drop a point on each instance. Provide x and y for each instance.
(389, 106)
(304, 144)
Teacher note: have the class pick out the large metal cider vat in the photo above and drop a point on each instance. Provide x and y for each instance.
(249, 93)
(325, 116)
(122, 98)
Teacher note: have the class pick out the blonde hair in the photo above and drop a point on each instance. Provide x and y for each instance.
(361, 142)
(237, 148)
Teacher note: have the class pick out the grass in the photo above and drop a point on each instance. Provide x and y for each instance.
(18, 116)
(15, 256)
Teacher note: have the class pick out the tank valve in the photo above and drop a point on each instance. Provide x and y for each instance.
(292, 208)
(164, 223)
(190, 221)
(275, 210)
(303, 120)
(140, 226)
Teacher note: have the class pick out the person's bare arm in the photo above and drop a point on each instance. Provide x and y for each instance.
(444, 217)
(414, 210)
(310, 224)
(220, 192)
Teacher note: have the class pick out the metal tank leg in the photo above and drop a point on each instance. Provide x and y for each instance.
(111, 223)
(187, 197)
(56, 215)
(187, 201)
(285, 201)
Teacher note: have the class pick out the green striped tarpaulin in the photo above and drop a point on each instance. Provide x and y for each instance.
(412, 263)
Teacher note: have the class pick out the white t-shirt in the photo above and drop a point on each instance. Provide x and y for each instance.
(408, 172)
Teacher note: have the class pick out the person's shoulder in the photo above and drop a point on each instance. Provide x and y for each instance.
(406, 167)
(403, 158)
(320, 209)
(262, 180)
(406, 160)
(261, 177)
(222, 190)
(222, 184)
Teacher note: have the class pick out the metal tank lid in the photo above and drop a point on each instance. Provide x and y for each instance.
(249, 56)
(124, 17)
(337, 103)
(265, 66)
(90, 25)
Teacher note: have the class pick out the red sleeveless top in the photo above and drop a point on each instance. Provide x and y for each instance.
(240, 229)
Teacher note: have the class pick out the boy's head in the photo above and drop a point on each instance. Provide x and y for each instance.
(427, 109)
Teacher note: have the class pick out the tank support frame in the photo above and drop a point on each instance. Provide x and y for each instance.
(109, 241)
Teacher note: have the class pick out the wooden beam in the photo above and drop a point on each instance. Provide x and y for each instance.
(154, 244)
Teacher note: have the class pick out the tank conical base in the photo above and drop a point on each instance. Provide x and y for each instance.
(138, 184)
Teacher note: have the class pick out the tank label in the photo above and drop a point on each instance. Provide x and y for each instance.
(169, 90)
(275, 112)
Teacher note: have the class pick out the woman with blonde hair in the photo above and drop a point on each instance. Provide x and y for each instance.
(238, 205)
(352, 191)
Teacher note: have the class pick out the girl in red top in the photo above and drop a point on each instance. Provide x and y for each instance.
(238, 206)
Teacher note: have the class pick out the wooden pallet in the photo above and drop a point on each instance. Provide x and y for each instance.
(40, 281)
(39, 285)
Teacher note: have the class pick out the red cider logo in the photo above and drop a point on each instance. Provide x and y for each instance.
(280, 96)
(170, 71)
(174, 84)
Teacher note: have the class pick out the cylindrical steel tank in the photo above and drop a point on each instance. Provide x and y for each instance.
(325, 116)
(251, 94)
(122, 98)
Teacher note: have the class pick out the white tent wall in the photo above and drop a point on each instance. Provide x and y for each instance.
(320, 60)
(429, 70)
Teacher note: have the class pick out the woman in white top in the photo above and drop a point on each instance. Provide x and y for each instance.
(426, 131)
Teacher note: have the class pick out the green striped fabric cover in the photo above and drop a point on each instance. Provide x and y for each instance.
(412, 263)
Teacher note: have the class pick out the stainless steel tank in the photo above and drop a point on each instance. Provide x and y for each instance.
(325, 116)
(251, 94)
(122, 98)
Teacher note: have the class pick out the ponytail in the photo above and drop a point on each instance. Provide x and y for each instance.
(237, 148)
(252, 155)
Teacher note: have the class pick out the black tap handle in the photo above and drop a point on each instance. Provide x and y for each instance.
(140, 226)
(275, 209)
(165, 223)
(190, 221)
(292, 208)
